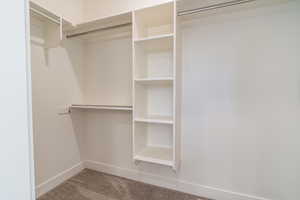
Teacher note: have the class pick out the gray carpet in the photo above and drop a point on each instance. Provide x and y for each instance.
(92, 185)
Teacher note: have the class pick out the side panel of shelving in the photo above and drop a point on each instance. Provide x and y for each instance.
(177, 90)
(134, 71)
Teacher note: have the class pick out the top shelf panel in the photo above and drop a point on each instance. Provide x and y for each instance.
(39, 10)
(148, 23)
(108, 25)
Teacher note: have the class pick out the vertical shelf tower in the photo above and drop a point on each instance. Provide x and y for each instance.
(156, 86)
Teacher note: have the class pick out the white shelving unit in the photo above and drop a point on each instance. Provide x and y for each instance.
(155, 91)
(154, 80)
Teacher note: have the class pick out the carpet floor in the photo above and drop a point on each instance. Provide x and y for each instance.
(92, 185)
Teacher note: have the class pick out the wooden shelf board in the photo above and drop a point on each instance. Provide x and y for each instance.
(156, 43)
(157, 155)
(36, 7)
(155, 119)
(101, 107)
(102, 23)
(171, 35)
(159, 80)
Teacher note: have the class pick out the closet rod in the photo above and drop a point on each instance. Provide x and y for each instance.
(99, 29)
(46, 16)
(179, 13)
(213, 7)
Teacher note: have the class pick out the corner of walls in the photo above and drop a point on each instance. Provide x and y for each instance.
(53, 182)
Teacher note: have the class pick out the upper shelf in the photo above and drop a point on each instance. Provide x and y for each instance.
(154, 21)
(43, 12)
(121, 22)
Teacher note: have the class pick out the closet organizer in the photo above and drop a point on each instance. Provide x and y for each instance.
(144, 82)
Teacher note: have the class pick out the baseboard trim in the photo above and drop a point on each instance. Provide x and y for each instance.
(58, 179)
(183, 186)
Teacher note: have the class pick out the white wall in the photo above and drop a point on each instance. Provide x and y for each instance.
(15, 144)
(241, 102)
(240, 110)
(94, 9)
(56, 83)
(69, 9)
(108, 71)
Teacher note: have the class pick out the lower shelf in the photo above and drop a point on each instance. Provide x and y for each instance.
(158, 155)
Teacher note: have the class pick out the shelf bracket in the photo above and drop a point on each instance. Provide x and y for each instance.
(66, 111)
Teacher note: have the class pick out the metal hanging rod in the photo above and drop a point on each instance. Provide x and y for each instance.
(45, 15)
(99, 29)
(213, 7)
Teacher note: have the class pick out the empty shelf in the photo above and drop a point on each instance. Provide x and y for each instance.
(155, 119)
(102, 107)
(155, 37)
(162, 80)
(101, 27)
(156, 155)
(156, 44)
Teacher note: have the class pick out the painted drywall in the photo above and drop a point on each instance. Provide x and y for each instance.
(241, 102)
(108, 72)
(94, 9)
(72, 10)
(15, 144)
(240, 109)
(56, 83)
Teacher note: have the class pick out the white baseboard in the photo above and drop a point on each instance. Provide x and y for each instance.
(175, 184)
(58, 179)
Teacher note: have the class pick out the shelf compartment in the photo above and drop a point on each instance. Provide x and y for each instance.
(156, 155)
(153, 100)
(155, 119)
(101, 107)
(148, 23)
(153, 143)
(154, 58)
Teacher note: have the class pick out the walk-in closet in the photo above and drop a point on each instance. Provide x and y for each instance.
(165, 99)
